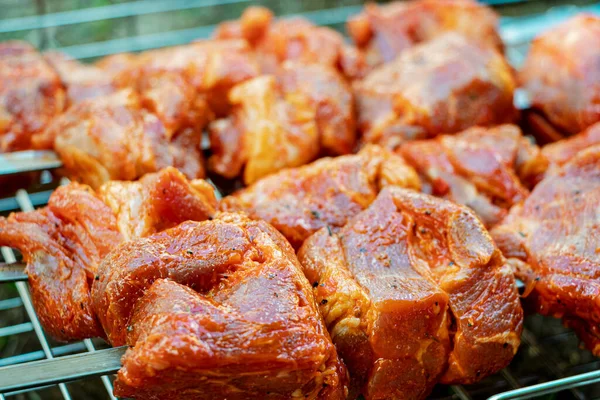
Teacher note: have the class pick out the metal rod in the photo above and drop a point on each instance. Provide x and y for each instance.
(28, 161)
(12, 273)
(60, 370)
(519, 30)
(173, 38)
(39, 354)
(89, 345)
(26, 205)
(131, 9)
(9, 256)
(550, 387)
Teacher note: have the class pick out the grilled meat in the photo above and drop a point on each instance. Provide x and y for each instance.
(414, 291)
(114, 138)
(157, 202)
(326, 193)
(81, 81)
(331, 96)
(217, 309)
(294, 39)
(552, 241)
(382, 32)
(31, 94)
(561, 74)
(185, 86)
(561, 152)
(284, 120)
(443, 86)
(487, 169)
(64, 242)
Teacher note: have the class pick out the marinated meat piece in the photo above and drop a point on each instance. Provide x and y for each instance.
(64, 242)
(332, 97)
(267, 131)
(186, 85)
(382, 32)
(118, 65)
(326, 193)
(442, 86)
(293, 39)
(112, 137)
(488, 170)
(62, 245)
(218, 309)
(552, 241)
(31, 94)
(81, 81)
(283, 120)
(561, 152)
(157, 202)
(414, 291)
(561, 74)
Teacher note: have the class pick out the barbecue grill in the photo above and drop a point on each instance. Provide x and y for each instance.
(549, 363)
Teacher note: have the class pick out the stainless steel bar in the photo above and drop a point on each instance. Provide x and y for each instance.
(552, 364)
(39, 355)
(172, 38)
(37, 199)
(25, 205)
(89, 345)
(519, 30)
(112, 11)
(16, 329)
(218, 194)
(137, 43)
(9, 256)
(16, 392)
(12, 273)
(10, 303)
(550, 387)
(28, 161)
(60, 370)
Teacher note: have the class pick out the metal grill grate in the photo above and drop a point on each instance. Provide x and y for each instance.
(549, 351)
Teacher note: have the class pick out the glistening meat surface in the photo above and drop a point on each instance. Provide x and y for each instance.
(216, 309)
(414, 292)
(64, 242)
(486, 169)
(300, 201)
(552, 241)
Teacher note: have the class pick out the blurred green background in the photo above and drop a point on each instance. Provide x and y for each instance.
(197, 13)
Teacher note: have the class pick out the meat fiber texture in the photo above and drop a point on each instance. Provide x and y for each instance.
(486, 169)
(113, 137)
(31, 95)
(552, 241)
(442, 86)
(216, 309)
(560, 74)
(282, 120)
(382, 32)
(414, 292)
(327, 192)
(64, 242)
(561, 152)
(292, 39)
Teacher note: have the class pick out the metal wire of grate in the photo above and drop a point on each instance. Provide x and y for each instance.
(548, 352)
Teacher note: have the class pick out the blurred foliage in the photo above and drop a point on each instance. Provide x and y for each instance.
(118, 28)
